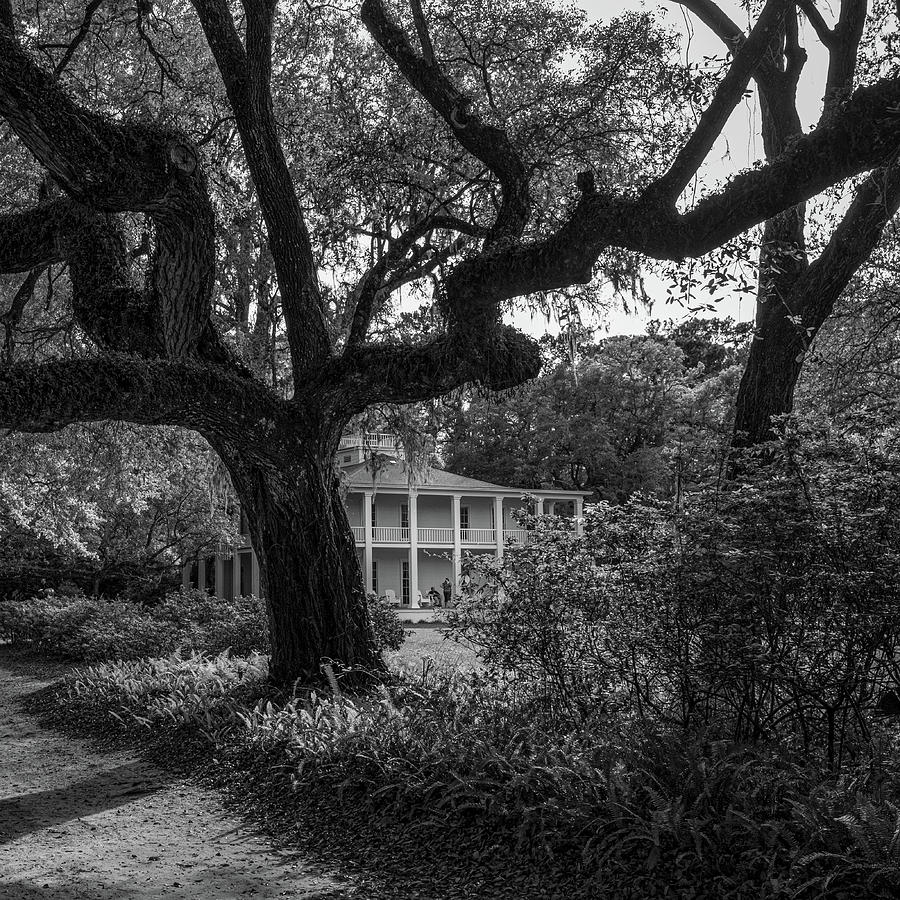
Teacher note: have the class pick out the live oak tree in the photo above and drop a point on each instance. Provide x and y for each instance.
(517, 225)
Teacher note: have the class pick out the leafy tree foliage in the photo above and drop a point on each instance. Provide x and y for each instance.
(630, 414)
(111, 506)
(854, 363)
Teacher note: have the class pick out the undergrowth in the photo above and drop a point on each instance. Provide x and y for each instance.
(91, 629)
(641, 814)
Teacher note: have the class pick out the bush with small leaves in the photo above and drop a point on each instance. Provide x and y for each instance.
(764, 611)
(88, 628)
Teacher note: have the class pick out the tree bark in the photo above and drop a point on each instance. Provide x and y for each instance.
(309, 568)
(795, 297)
(767, 385)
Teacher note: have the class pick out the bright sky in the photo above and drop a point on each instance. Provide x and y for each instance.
(738, 148)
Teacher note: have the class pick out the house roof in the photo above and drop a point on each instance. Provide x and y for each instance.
(394, 474)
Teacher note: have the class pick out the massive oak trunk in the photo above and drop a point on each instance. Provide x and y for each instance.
(310, 575)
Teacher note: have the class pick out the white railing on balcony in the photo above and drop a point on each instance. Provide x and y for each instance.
(435, 535)
(383, 534)
(371, 440)
(477, 535)
(393, 535)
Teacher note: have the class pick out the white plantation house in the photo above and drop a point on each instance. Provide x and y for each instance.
(409, 538)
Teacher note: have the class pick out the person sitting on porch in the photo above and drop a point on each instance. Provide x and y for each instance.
(434, 598)
(447, 588)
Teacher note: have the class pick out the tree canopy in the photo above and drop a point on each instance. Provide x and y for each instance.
(646, 413)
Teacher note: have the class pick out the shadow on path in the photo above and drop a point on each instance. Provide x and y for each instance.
(25, 813)
(92, 889)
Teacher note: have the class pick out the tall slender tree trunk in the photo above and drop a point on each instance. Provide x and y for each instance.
(310, 574)
(779, 341)
(767, 385)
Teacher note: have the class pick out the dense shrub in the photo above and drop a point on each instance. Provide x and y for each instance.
(89, 629)
(389, 632)
(764, 612)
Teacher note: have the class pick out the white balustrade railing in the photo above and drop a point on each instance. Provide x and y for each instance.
(371, 440)
(435, 535)
(477, 536)
(393, 535)
(388, 534)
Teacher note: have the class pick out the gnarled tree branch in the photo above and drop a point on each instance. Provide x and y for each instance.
(876, 202)
(376, 281)
(11, 318)
(862, 135)
(406, 373)
(246, 74)
(50, 395)
(83, 29)
(485, 142)
(114, 168)
(747, 59)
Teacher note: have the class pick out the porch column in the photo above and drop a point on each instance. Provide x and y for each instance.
(579, 512)
(539, 507)
(457, 544)
(186, 575)
(254, 574)
(201, 573)
(414, 549)
(368, 556)
(220, 573)
(498, 525)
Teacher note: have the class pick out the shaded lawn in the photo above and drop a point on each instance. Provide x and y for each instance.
(427, 642)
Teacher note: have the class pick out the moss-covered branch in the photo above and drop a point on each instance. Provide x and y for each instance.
(50, 395)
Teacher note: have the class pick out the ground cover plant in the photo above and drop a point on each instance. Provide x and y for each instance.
(654, 817)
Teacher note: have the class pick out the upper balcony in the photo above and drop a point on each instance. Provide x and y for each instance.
(370, 440)
(439, 537)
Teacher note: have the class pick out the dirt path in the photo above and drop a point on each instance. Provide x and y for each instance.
(80, 825)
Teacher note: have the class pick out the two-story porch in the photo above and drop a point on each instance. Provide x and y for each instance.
(411, 538)
(411, 532)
